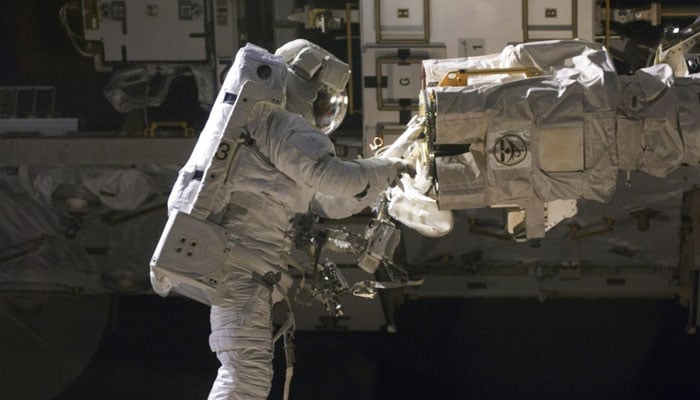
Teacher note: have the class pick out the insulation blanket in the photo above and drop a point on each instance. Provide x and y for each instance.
(564, 134)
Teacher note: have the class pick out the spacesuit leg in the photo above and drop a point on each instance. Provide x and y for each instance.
(242, 339)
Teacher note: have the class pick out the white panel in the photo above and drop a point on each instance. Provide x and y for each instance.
(367, 34)
(402, 20)
(450, 21)
(544, 15)
(549, 12)
(393, 13)
(471, 47)
(403, 82)
(550, 19)
(152, 31)
(371, 114)
(586, 23)
(496, 22)
(548, 35)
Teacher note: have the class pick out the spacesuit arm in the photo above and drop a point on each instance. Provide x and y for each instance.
(343, 207)
(358, 179)
(338, 207)
(308, 157)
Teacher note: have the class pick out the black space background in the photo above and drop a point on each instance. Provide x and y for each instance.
(156, 348)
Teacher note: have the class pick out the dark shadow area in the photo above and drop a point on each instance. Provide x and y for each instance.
(157, 348)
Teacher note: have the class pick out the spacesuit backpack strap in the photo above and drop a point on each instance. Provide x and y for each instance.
(191, 250)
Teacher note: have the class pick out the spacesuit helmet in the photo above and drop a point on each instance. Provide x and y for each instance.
(316, 84)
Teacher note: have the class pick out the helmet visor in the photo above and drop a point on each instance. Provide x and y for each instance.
(330, 107)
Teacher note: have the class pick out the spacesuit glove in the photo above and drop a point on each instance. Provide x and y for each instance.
(403, 167)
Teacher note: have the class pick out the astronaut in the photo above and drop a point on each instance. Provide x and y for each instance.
(284, 164)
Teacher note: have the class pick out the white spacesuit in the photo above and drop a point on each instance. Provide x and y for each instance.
(284, 165)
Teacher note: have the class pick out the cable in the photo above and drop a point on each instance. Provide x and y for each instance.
(74, 38)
